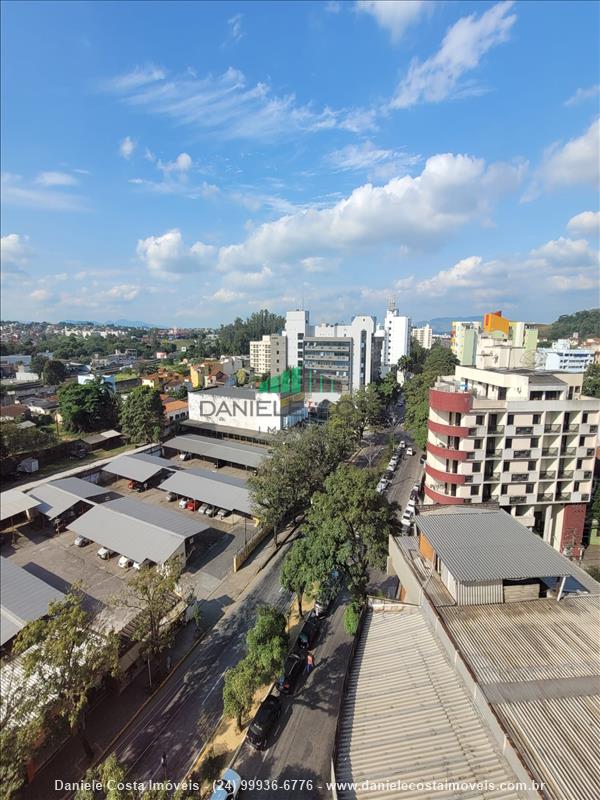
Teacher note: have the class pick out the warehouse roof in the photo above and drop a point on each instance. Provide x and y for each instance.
(223, 491)
(224, 431)
(248, 455)
(234, 392)
(104, 436)
(139, 467)
(23, 597)
(13, 502)
(137, 530)
(56, 497)
(407, 716)
(538, 664)
(480, 545)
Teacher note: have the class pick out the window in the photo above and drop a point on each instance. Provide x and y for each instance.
(529, 488)
(576, 486)
(474, 490)
(582, 441)
(535, 442)
(535, 395)
(510, 419)
(584, 418)
(506, 466)
(477, 444)
(579, 463)
(479, 419)
(508, 444)
(504, 489)
(531, 466)
(537, 418)
(477, 466)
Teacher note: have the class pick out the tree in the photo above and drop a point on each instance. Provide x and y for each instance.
(241, 377)
(20, 726)
(87, 407)
(362, 409)
(38, 362)
(15, 440)
(54, 372)
(413, 362)
(267, 643)
(239, 685)
(296, 575)
(352, 614)
(347, 529)
(591, 381)
(142, 415)
(68, 659)
(585, 323)
(180, 393)
(150, 593)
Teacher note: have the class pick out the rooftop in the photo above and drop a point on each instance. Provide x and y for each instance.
(248, 455)
(13, 502)
(408, 717)
(23, 597)
(56, 497)
(223, 491)
(479, 546)
(138, 467)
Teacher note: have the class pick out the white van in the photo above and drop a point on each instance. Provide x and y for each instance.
(105, 553)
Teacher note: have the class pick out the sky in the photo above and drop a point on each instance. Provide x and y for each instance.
(186, 163)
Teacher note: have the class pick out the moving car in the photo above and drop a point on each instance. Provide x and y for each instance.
(227, 787)
(124, 562)
(292, 669)
(81, 541)
(308, 633)
(105, 553)
(264, 721)
(170, 496)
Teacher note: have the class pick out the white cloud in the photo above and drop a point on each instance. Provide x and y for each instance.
(16, 192)
(227, 296)
(575, 162)
(140, 76)
(320, 264)
(587, 223)
(235, 28)
(40, 295)
(417, 212)
(380, 162)
(14, 250)
(56, 179)
(463, 47)
(564, 252)
(395, 16)
(227, 105)
(127, 147)
(581, 95)
(124, 291)
(183, 163)
(167, 254)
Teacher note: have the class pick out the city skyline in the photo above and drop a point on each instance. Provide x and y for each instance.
(321, 155)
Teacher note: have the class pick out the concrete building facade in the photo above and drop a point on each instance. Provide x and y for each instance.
(396, 338)
(522, 438)
(560, 357)
(423, 335)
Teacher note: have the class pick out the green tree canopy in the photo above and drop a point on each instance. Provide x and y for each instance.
(591, 381)
(241, 377)
(585, 323)
(68, 658)
(239, 685)
(87, 407)
(235, 338)
(15, 440)
(267, 643)
(296, 572)
(142, 415)
(54, 372)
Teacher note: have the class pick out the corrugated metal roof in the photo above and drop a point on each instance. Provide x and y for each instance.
(223, 491)
(13, 502)
(234, 392)
(140, 467)
(490, 545)
(137, 530)
(248, 455)
(408, 717)
(23, 597)
(538, 663)
(56, 497)
(229, 430)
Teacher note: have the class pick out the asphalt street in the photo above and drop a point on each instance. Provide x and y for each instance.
(181, 716)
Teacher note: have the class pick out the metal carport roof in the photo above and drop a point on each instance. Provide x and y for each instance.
(223, 491)
(139, 467)
(234, 452)
(59, 496)
(490, 545)
(23, 597)
(137, 530)
(13, 502)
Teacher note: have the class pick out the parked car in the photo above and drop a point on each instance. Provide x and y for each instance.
(183, 502)
(414, 494)
(223, 513)
(124, 562)
(423, 459)
(264, 721)
(209, 510)
(132, 485)
(191, 505)
(141, 487)
(105, 553)
(402, 444)
(170, 496)
(411, 507)
(407, 519)
(202, 508)
(293, 667)
(380, 488)
(308, 633)
(227, 787)
(81, 541)
(140, 564)
(184, 456)
(410, 451)
(417, 487)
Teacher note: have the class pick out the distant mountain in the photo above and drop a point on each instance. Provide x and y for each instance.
(444, 324)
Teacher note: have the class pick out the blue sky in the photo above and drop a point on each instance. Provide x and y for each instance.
(185, 163)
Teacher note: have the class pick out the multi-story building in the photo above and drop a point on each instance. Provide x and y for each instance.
(396, 338)
(269, 354)
(297, 326)
(522, 438)
(423, 336)
(328, 364)
(463, 341)
(559, 357)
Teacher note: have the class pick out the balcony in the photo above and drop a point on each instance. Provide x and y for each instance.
(447, 452)
(443, 499)
(564, 496)
(447, 430)
(450, 399)
(573, 428)
(548, 475)
(445, 477)
(545, 497)
(552, 428)
(549, 452)
(526, 430)
(517, 500)
(570, 451)
(521, 454)
(585, 452)
(468, 479)
(565, 474)
(519, 477)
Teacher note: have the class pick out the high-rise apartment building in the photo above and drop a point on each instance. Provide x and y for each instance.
(423, 336)
(360, 332)
(269, 354)
(297, 326)
(396, 338)
(463, 341)
(522, 438)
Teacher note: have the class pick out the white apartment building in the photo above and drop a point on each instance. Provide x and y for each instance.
(463, 341)
(297, 326)
(559, 357)
(396, 338)
(423, 335)
(522, 438)
(361, 332)
(269, 354)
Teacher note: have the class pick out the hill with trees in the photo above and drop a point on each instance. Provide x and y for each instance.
(585, 323)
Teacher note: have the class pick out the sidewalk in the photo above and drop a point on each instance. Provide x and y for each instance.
(113, 712)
